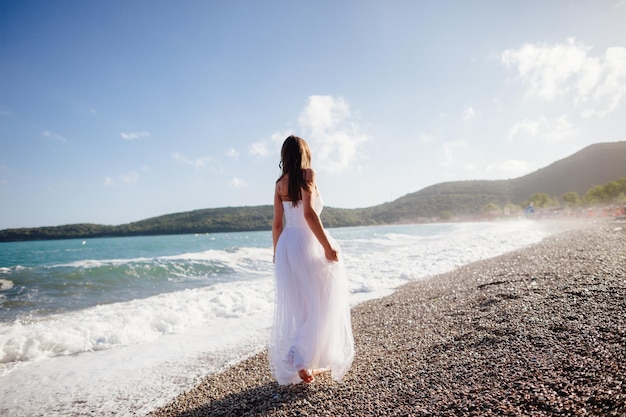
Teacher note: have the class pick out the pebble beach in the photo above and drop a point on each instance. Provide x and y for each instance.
(540, 331)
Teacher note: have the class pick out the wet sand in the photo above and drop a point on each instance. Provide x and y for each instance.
(540, 331)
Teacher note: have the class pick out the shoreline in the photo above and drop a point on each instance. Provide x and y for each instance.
(537, 331)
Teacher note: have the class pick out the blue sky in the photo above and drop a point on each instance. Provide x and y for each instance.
(116, 111)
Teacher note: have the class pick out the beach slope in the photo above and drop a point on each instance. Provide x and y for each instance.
(538, 331)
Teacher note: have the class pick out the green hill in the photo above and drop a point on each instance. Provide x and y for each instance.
(458, 197)
(597, 164)
(594, 165)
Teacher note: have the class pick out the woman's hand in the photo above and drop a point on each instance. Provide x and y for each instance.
(332, 254)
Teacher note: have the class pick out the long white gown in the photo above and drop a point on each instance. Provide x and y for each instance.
(312, 327)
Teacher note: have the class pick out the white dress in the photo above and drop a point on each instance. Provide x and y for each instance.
(312, 328)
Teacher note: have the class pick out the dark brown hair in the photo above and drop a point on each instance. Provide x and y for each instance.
(295, 158)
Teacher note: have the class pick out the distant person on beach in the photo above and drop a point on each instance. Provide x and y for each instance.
(312, 331)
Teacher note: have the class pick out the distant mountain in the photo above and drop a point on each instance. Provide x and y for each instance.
(594, 165)
(457, 197)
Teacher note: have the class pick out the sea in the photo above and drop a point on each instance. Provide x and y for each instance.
(121, 326)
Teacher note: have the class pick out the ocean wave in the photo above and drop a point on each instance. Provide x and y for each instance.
(11, 269)
(97, 263)
(235, 258)
(108, 326)
(385, 266)
(5, 284)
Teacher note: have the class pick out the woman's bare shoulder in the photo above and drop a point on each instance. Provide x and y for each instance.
(282, 187)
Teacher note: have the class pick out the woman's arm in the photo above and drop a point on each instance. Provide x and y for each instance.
(277, 223)
(313, 219)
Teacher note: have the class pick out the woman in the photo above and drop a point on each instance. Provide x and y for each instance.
(312, 332)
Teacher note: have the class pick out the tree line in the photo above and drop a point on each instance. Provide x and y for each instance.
(613, 192)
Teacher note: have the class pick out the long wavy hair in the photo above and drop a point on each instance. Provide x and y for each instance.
(295, 157)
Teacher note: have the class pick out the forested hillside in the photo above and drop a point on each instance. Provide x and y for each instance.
(596, 164)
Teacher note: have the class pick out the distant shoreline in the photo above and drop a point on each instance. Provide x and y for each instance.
(332, 220)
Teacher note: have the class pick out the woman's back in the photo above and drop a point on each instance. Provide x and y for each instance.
(294, 216)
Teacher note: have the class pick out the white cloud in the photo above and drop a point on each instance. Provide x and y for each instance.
(552, 71)
(469, 114)
(326, 123)
(561, 130)
(333, 135)
(447, 152)
(259, 149)
(199, 163)
(323, 113)
(511, 168)
(550, 131)
(232, 152)
(53, 136)
(237, 183)
(611, 89)
(547, 69)
(269, 147)
(134, 135)
(277, 138)
(525, 128)
(131, 177)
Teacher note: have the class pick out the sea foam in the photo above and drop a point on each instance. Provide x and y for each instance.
(133, 322)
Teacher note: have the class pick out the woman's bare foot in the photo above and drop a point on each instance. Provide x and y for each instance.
(306, 376)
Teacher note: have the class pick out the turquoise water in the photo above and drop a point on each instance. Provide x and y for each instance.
(64, 275)
(51, 277)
